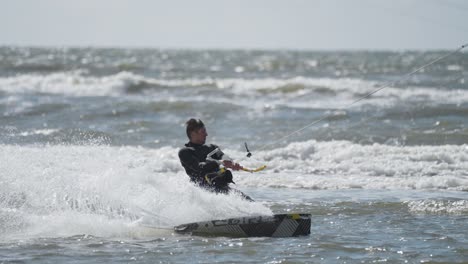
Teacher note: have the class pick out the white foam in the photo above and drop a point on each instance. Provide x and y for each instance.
(343, 165)
(300, 92)
(77, 83)
(104, 191)
(44, 132)
(117, 191)
(431, 206)
(68, 83)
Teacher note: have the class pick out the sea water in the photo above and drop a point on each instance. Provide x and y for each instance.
(89, 171)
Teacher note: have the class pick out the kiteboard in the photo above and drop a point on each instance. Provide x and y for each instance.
(279, 225)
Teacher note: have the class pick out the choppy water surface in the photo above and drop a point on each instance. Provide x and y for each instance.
(90, 174)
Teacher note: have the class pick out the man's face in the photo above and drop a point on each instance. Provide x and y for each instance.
(199, 136)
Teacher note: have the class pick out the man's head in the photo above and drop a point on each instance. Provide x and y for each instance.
(196, 131)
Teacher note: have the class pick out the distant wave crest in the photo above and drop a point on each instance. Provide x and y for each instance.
(301, 92)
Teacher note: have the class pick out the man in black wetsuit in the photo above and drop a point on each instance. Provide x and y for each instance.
(202, 161)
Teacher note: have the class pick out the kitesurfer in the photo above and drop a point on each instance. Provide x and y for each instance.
(205, 164)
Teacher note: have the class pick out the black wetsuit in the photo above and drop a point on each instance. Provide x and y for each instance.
(203, 172)
(193, 159)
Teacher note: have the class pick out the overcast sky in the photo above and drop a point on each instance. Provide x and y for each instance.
(259, 24)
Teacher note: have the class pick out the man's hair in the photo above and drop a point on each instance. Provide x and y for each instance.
(193, 125)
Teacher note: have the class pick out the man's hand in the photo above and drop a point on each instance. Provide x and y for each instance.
(232, 165)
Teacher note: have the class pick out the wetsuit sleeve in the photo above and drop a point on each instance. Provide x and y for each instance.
(218, 155)
(190, 161)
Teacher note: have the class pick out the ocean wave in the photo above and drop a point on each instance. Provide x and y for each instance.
(77, 83)
(298, 91)
(307, 165)
(345, 165)
(69, 83)
(68, 136)
(67, 185)
(438, 206)
(60, 190)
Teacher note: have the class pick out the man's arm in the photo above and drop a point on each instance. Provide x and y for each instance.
(225, 160)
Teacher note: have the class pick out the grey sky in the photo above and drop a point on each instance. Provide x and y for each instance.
(264, 24)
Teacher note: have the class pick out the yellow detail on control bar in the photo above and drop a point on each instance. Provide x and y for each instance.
(255, 170)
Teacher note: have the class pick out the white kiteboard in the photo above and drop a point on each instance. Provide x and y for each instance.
(279, 225)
